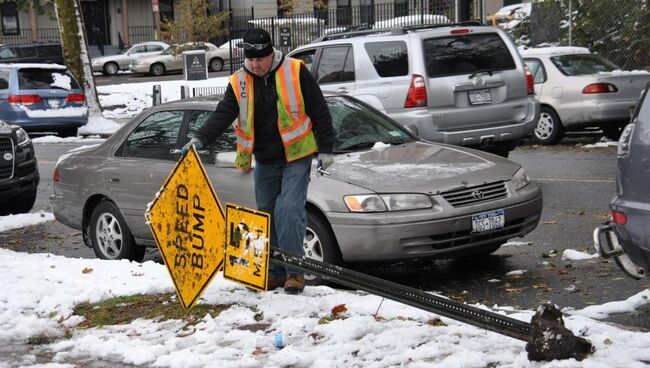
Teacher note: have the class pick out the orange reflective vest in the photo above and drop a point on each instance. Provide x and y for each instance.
(294, 124)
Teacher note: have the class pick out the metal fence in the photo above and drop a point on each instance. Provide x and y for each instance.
(293, 30)
(616, 29)
(141, 34)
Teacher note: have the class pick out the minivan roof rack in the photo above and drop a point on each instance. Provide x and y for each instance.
(393, 30)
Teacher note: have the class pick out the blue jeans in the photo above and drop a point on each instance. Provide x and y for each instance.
(281, 190)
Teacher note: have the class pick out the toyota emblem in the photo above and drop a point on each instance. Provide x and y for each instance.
(478, 194)
(477, 81)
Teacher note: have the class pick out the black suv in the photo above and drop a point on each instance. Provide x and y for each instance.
(18, 170)
(32, 53)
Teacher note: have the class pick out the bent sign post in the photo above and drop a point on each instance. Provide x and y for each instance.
(188, 225)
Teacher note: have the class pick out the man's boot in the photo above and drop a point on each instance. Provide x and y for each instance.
(295, 284)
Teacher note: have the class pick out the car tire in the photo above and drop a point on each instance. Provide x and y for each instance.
(549, 129)
(613, 131)
(67, 132)
(111, 68)
(216, 64)
(319, 244)
(110, 235)
(157, 69)
(22, 204)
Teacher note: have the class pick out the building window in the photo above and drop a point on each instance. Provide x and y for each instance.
(401, 8)
(367, 12)
(285, 8)
(10, 25)
(166, 10)
(343, 13)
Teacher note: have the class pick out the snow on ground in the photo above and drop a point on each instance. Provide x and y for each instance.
(372, 333)
(11, 222)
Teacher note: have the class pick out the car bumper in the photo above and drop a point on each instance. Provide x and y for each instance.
(378, 237)
(12, 188)
(595, 112)
(424, 122)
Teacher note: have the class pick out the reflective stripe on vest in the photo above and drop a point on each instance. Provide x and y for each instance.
(242, 84)
(292, 107)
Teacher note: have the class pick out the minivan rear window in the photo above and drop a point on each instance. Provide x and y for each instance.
(46, 79)
(466, 54)
(390, 58)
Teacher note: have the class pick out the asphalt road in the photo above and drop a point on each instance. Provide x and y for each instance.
(577, 184)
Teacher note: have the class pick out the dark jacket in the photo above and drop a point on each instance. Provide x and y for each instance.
(268, 147)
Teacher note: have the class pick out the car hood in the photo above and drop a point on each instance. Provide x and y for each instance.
(420, 167)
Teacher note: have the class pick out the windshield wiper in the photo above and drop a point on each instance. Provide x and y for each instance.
(488, 72)
(356, 146)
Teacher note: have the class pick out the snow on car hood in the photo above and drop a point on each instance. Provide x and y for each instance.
(419, 167)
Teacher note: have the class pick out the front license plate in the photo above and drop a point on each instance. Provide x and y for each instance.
(480, 97)
(486, 221)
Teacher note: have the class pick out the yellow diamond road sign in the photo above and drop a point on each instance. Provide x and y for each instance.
(247, 246)
(187, 222)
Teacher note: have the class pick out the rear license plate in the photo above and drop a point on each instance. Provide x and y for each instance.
(55, 103)
(486, 221)
(480, 97)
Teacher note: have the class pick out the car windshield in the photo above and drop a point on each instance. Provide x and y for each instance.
(583, 64)
(46, 79)
(357, 127)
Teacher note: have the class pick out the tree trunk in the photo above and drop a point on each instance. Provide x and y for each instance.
(75, 50)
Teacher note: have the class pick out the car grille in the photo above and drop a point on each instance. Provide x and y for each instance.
(477, 194)
(6, 167)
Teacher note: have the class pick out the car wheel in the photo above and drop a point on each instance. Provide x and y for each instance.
(216, 65)
(157, 69)
(613, 132)
(21, 204)
(111, 68)
(319, 244)
(68, 132)
(549, 129)
(110, 235)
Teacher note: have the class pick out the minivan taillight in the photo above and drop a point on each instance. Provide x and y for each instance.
(619, 218)
(76, 98)
(24, 99)
(417, 94)
(530, 82)
(599, 88)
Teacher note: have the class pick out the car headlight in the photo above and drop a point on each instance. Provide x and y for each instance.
(386, 202)
(520, 179)
(22, 136)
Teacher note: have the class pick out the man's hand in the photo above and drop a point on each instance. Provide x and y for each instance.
(193, 142)
(325, 160)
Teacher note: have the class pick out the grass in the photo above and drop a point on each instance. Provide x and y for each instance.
(125, 309)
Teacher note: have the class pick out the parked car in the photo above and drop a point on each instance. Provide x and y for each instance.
(578, 89)
(460, 84)
(625, 237)
(32, 53)
(18, 170)
(42, 97)
(172, 59)
(389, 196)
(110, 65)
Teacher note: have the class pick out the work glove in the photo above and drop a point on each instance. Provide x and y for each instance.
(193, 142)
(325, 160)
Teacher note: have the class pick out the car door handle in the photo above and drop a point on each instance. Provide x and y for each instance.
(343, 90)
(114, 180)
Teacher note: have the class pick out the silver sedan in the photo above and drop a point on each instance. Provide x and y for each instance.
(172, 59)
(111, 64)
(390, 195)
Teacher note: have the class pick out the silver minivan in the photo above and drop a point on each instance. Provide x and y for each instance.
(626, 237)
(458, 84)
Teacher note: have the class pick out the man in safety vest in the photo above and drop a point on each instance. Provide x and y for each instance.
(282, 119)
